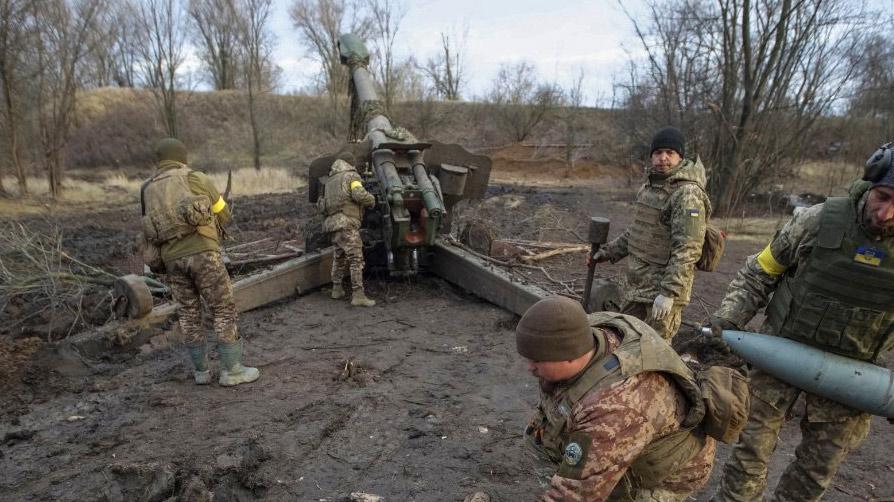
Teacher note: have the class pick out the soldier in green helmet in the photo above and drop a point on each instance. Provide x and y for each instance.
(619, 410)
(181, 214)
(826, 280)
(665, 240)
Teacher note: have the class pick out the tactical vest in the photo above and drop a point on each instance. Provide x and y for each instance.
(337, 195)
(650, 238)
(842, 299)
(172, 211)
(640, 351)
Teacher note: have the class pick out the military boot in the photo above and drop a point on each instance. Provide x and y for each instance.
(231, 370)
(338, 291)
(359, 299)
(199, 356)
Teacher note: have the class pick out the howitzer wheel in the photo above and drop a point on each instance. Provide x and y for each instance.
(131, 297)
(604, 296)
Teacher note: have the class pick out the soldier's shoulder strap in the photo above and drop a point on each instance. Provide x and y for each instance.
(836, 216)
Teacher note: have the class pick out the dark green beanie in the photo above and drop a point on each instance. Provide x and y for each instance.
(171, 149)
(554, 329)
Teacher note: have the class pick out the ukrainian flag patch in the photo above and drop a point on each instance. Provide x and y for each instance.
(695, 213)
(869, 256)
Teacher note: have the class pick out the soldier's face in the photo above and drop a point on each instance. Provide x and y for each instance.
(556, 371)
(665, 159)
(878, 215)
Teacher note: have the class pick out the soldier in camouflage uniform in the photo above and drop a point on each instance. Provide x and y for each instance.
(831, 275)
(666, 237)
(342, 203)
(619, 410)
(181, 211)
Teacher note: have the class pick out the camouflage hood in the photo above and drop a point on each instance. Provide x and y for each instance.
(688, 170)
(340, 166)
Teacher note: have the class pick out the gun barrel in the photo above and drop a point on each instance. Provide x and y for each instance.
(429, 195)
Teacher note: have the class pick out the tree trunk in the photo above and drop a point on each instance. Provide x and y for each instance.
(253, 120)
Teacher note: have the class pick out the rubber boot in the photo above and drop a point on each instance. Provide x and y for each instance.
(338, 291)
(199, 355)
(359, 299)
(231, 370)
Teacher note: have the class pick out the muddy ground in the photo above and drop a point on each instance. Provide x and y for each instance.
(419, 398)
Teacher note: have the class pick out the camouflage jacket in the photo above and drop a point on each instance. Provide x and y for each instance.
(350, 190)
(685, 214)
(788, 250)
(621, 421)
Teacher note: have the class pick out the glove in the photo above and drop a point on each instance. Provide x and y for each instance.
(597, 257)
(717, 325)
(661, 307)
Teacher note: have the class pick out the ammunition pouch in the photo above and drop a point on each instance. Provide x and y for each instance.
(727, 400)
(151, 254)
(712, 249)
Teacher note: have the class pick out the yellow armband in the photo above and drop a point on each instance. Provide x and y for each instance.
(355, 184)
(218, 206)
(769, 264)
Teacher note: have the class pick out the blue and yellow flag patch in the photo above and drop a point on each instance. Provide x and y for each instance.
(869, 256)
(695, 213)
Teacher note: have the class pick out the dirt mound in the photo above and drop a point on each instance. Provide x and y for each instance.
(534, 163)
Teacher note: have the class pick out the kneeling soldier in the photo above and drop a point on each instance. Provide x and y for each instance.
(619, 410)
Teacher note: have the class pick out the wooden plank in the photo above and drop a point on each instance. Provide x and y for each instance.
(299, 275)
(483, 279)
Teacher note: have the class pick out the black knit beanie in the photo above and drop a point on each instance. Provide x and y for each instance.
(669, 137)
(554, 329)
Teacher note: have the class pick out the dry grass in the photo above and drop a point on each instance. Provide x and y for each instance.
(119, 189)
(751, 229)
(824, 177)
(248, 181)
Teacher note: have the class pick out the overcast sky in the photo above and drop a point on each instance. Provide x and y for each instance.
(559, 37)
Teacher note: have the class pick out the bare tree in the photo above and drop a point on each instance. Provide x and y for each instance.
(871, 112)
(572, 101)
(161, 38)
(447, 69)
(256, 42)
(749, 79)
(62, 30)
(217, 36)
(386, 16)
(13, 38)
(519, 101)
(319, 24)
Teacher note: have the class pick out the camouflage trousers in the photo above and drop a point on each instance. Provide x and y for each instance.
(348, 257)
(829, 432)
(203, 277)
(666, 327)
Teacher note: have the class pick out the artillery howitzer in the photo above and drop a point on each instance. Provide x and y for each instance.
(416, 183)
